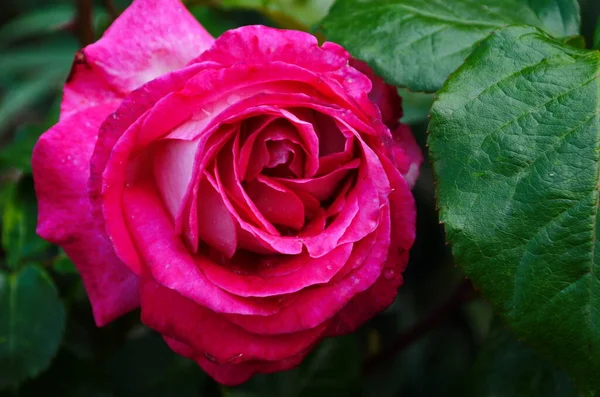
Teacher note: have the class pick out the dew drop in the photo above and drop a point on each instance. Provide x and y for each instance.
(328, 267)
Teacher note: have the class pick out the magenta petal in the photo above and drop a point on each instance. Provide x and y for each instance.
(314, 306)
(296, 272)
(234, 374)
(261, 45)
(321, 187)
(86, 87)
(384, 95)
(173, 166)
(149, 39)
(216, 225)
(407, 153)
(109, 164)
(277, 203)
(168, 260)
(205, 331)
(61, 169)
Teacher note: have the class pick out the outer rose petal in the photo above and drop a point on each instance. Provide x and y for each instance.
(235, 374)
(61, 168)
(384, 95)
(150, 38)
(407, 153)
(381, 294)
(206, 331)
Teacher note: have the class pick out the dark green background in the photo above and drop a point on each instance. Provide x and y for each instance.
(462, 349)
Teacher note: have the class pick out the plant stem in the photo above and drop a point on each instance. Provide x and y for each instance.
(83, 23)
(463, 293)
(111, 9)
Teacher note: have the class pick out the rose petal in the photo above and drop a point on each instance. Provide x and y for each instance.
(170, 263)
(216, 225)
(407, 153)
(148, 40)
(235, 374)
(294, 273)
(109, 162)
(314, 306)
(206, 331)
(278, 204)
(60, 165)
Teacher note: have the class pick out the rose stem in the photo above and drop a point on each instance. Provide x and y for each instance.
(83, 23)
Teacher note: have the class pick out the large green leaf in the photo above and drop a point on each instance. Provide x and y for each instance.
(32, 320)
(417, 44)
(515, 142)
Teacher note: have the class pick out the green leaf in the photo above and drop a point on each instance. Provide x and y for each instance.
(146, 367)
(18, 212)
(417, 44)
(63, 265)
(296, 14)
(17, 154)
(36, 23)
(506, 368)
(213, 20)
(515, 144)
(332, 370)
(52, 54)
(597, 35)
(25, 96)
(415, 106)
(576, 41)
(31, 324)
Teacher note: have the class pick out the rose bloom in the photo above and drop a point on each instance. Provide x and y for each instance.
(251, 194)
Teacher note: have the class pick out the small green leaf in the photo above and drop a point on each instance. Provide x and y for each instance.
(294, 14)
(31, 324)
(333, 369)
(21, 98)
(515, 144)
(63, 265)
(17, 154)
(18, 213)
(507, 368)
(51, 54)
(417, 44)
(36, 23)
(213, 20)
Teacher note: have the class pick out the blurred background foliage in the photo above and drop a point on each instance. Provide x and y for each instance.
(439, 338)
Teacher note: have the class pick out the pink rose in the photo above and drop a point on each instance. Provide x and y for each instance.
(245, 192)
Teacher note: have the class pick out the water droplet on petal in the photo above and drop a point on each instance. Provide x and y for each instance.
(328, 267)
